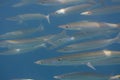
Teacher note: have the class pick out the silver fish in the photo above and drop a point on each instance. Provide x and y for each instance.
(115, 77)
(80, 36)
(50, 2)
(102, 11)
(20, 33)
(73, 9)
(89, 26)
(22, 79)
(25, 42)
(25, 2)
(57, 2)
(30, 16)
(91, 58)
(20, 50)
(90, 45)
(82, 76)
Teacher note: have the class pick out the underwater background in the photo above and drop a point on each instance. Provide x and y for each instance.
(22, 65)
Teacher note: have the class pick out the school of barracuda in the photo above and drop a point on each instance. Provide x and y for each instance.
(75, 37)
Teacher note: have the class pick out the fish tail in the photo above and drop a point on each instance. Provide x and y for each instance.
(117, 39)
(48, 18)
(53, 42)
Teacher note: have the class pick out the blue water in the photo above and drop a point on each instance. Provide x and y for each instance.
(22, 66)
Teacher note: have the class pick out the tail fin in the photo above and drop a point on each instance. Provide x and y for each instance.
(48, 18)
(118, 38)
(57, 41)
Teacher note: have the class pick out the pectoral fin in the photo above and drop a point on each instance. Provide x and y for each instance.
(91, 66)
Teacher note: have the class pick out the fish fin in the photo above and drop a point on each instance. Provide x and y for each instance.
(117, 39)
(54, 40)
(41, 27)
(91, 66)
(42, 45)
(48, 18)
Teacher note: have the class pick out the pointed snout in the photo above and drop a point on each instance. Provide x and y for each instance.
(61, 27)
(38, 62)
(56, 77)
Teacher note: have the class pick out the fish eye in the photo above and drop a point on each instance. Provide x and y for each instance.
(59, 59)
(67, 26)
(56, 13)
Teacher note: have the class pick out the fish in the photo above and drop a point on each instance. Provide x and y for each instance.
(64, 2)
(20, 43)
(21, 50)
(73, 9)
(59, 39)
(22, 79)
(115, 77)
(90, 45)
(24, 2)
(50, 2)
(89, 26)
(20, 33)
(83, 76)
(66, 39)
(102, 11)
(30, 16)
(91, 59)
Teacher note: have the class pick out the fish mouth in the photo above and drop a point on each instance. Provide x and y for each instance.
(38, 62)
(56, 77)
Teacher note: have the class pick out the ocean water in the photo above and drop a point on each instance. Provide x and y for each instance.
(22, 65)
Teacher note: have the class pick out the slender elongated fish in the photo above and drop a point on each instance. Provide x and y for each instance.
(25, 42)
(49, 2)
(102, 11)
(59, 39)
(89, 26)
(90, 45)
(29, 16)
(90, 59)
(80, 36)
(115, 77)
(23, 49)
(86, 76)
(73, 9)
(22, 79)
(25, 2)
(64, 2)
(20, 33)
(82, 76)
